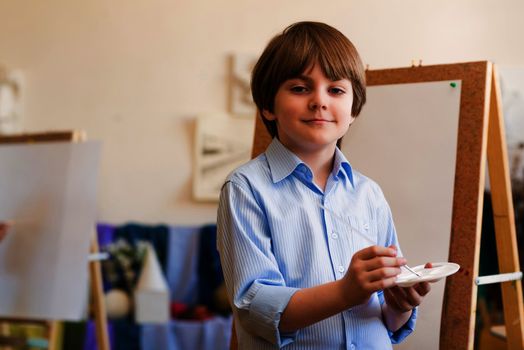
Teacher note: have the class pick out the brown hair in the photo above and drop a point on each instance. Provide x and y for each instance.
(299, 46)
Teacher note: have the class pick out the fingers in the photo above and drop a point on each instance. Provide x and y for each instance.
(376, 263)
(375, 257)
(375, 268)
(5, 225)
(374, 251)
(372, 269)
(422, 288)
(413, 298)
(402, 299)
(381, 261)
(382, 273)
(382, 284)
(3, 230)
(405, 299)
(390, 295)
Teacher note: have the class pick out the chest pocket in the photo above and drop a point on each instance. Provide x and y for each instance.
(361, 233)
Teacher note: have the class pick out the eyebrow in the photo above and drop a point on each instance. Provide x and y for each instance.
(304, 78)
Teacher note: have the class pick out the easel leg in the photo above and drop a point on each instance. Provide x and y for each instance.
(52, 335)
(4, 331)
(99, 308)
(504, 219)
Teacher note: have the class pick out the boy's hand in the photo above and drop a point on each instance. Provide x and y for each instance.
(371, 269)
(403, 299)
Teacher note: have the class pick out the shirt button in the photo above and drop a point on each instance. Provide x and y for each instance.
(334, 235)
(366, 226)
(353, 346)
(341, 268)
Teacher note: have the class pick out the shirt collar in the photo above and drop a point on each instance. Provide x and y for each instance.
(282, 162)
(341, 166)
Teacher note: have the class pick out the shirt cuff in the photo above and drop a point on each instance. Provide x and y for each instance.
(399, 335)
(265, 310)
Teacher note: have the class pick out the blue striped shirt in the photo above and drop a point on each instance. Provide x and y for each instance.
(278, 232)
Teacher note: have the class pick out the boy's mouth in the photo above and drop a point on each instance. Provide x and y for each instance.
(318, 121)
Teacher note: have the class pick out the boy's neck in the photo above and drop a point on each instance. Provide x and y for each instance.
(320, 163)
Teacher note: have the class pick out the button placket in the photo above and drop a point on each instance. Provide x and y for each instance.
(330, 228)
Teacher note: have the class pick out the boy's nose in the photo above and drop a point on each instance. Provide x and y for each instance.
(317, 103)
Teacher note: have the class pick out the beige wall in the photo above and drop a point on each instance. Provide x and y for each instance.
(134, 74)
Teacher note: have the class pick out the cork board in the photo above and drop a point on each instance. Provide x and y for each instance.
(458, 309)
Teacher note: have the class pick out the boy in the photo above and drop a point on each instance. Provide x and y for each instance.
(294, 223)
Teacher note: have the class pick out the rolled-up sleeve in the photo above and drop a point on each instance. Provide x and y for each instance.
(255, 285)
(264, 313)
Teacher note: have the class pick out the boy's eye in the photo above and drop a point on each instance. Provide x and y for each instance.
(337, 91)
(299, 89)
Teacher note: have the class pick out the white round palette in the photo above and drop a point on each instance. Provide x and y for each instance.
(437, 272)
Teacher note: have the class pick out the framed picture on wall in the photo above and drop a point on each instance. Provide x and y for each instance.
(240, 100)
(222, 143)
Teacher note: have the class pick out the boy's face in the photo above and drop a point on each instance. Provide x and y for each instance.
(312, 112)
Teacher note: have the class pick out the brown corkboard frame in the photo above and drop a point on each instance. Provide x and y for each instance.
(460, 296)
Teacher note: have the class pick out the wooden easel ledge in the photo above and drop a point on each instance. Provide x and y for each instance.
(46, 136)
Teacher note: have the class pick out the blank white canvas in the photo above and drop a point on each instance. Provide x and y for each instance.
(49, 191)
(405, 139)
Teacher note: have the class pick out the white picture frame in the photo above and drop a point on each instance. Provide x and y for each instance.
(222, 143)
(241, 102)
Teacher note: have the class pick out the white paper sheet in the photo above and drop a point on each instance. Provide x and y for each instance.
(49, 191)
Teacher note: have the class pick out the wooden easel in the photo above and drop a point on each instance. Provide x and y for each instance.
(95, 273)
(480, 136)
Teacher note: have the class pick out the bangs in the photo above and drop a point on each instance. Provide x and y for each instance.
(303, 47)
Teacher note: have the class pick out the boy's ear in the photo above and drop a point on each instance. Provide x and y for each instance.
(268, 115)
(352, 120)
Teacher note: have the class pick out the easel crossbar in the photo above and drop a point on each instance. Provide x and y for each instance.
(98, 256)
(499, 278)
